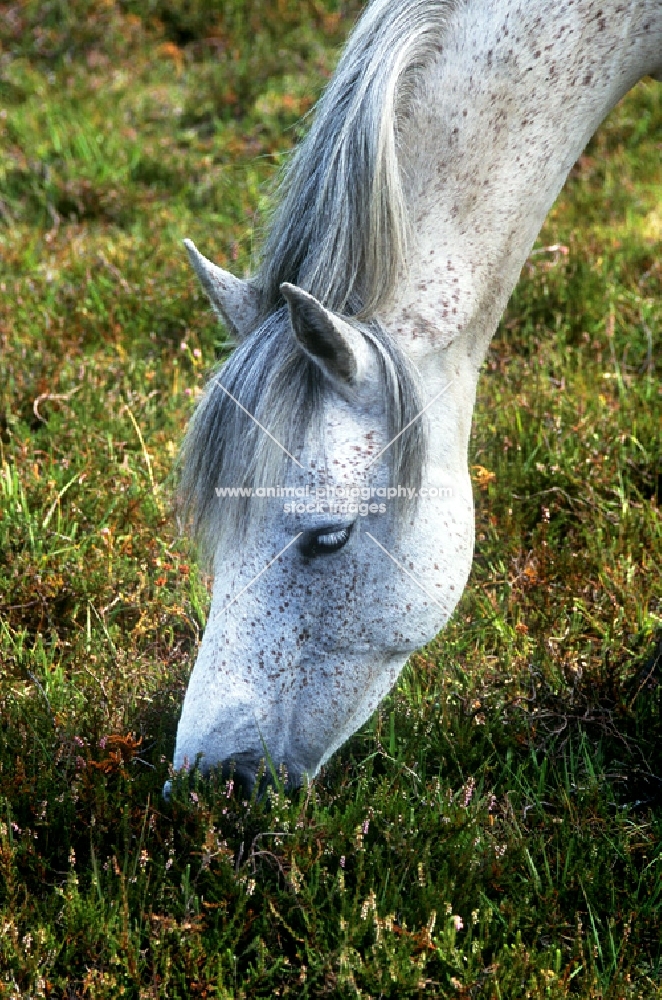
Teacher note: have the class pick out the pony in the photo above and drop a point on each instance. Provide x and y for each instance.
(325, 469)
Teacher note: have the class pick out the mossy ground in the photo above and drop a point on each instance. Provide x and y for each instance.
(494, 830)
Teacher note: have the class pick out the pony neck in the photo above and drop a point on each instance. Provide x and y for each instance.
(501, 115)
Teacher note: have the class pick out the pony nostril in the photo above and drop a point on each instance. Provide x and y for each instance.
(242, 779)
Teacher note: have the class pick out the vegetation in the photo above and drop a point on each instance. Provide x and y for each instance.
(495, 830)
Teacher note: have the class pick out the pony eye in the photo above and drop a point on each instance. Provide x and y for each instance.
(324, 541)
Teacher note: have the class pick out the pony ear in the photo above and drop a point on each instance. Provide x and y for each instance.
(335, 346)
(234, 300)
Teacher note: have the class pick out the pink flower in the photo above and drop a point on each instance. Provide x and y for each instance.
(459, 923)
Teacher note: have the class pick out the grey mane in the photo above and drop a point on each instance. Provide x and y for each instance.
(340, 232)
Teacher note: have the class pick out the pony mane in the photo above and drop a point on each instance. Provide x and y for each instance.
(340, 229)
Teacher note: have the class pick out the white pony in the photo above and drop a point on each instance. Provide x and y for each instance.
(344, 414)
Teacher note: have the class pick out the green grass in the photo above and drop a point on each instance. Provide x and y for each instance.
(495, 830)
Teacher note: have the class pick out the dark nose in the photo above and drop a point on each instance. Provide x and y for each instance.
(243, 775)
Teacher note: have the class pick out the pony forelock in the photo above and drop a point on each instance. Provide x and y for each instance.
(259, 411)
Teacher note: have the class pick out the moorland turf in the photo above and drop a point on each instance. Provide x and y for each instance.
(494, 830)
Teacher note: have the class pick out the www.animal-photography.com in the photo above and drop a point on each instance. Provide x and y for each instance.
(330, 480)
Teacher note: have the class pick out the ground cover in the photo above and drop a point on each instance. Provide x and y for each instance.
(494, 830)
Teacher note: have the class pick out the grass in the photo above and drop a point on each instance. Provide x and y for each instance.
(495, 830)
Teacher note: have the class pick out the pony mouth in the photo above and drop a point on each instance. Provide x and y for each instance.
(243, 777)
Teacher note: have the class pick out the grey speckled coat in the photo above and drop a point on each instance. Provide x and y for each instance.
(404, 220)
